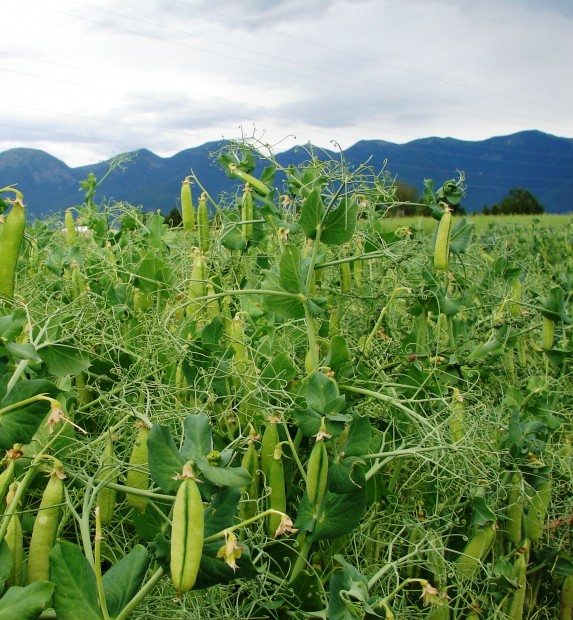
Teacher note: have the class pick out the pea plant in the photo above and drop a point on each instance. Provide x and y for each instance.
(288, 407)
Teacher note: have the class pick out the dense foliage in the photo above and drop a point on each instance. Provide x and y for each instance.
(286, 410)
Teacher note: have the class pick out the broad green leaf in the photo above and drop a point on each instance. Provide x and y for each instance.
(211, 335)
(198, 439)
(305, 592)
(222, 509)
(312, 213)
(5, 563)
(232, 232)
(122, 581)
(278, 373)
(461, 236)
(25, 351)
(348, 592)
(358, 440)
(322, 395)
(224, 476)
(28, 603)
(483, 514)
(18, 425)
(75, 584)
(11, 325)
(553, 307)
(340, 223)
(63, 360)
(213, 570)
(347, 475)
(282, 306)
(165, 462)
(290, 276)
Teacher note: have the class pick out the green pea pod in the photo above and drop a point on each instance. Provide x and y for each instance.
(442, 247)
(475, 551)
(203, 223)
(45, 528)
(247, 214)
(457, 417)
(236, 335)
(514, 519)
(317, 474)
(138, 472)
(187, 211)
(345, 278)
(15, 541)
(547, 334)
(277, 496)
(566, 599)
(198, 280)
(10, 242)
(187, 535)
(514, 307)
(6, 479)
(518, 573)
(71, 232)
(257, 185)
(536, 511)
(106, 497)
(250, 462)
(269, 442)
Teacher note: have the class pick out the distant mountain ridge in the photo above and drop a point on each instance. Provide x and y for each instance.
(539, 162)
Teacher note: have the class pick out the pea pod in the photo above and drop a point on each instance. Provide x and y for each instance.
(514, 307)
(518, 573)
(475, 551)
(203, 223)
(250, 462)
(269, 442)
(106, 497)
(247, 214)
(14, 540)
(187, 534)
(457, 417)
(257, 185)
(514, 519)
(277, 495)
(547, 334)
(236, 334)
(45, 528)
(187, 211)
(6, 479)
(566, 599)
(536, 511)
(10, 242)
(71, 232)
(198, 280)
(317, 474)
(442, 247)
(138, 472)
(345, 278)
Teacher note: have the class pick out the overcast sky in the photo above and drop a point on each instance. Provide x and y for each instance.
(86, 80)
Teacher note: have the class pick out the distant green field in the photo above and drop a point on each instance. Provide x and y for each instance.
(482, 222)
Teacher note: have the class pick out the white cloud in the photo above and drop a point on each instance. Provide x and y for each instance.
(86, 80)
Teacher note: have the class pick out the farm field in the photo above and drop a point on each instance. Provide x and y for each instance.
(293, 408)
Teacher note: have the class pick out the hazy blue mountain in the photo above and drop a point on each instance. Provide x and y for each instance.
(539, 162)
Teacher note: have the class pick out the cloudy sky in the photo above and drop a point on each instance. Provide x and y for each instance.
(86, 80)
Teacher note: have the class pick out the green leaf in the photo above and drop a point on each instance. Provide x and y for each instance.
(122, 581)
(63, 360)
(165, 462)
(347, 475)
(341, 514)
(27, 603)
(553, 306)
(211, 335)
(5, 563)
(312, 213)
(25, 351)
(340, 223)
(198, 440)
(277, 373)
(11, 325)
(232, 232)
(461, 236)
(19, 424)
(346, 586)
(290, 269)
(358, 440)
(483, 514)
(75, 583)
(284, 307)
(224, 476)
(322, 395)
(221, 511)
(213, 571)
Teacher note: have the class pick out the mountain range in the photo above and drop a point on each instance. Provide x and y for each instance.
(539, 162)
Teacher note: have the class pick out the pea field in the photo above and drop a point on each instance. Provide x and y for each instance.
(290, 406)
